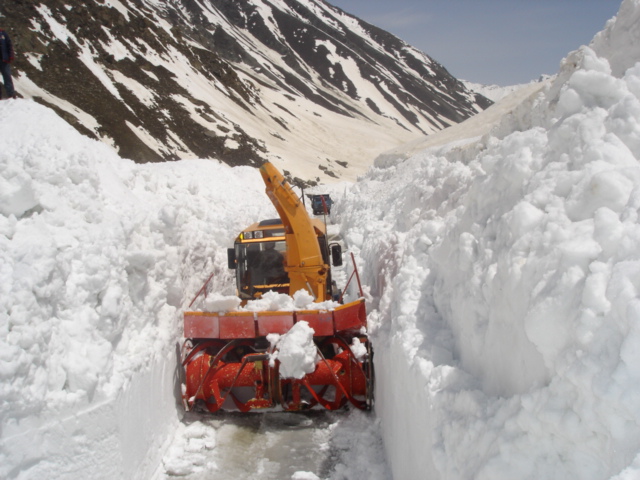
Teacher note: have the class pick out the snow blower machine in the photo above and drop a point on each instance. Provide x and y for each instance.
(235, 360)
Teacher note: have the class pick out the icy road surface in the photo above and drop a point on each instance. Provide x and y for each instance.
(300, 446)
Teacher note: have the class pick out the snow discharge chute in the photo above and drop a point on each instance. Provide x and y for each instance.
(292, 357)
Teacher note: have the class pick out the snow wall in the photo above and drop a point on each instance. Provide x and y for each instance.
(504, 285)
(98, 256)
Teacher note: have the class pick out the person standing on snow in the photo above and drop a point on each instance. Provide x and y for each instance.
(6, 57)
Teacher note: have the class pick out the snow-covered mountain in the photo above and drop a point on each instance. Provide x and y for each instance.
(298, 82)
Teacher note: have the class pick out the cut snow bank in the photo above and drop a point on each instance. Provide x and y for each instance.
(463, 137)
(96, 257)
(505, 288)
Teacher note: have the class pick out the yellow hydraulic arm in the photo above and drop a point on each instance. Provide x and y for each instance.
(305, 265)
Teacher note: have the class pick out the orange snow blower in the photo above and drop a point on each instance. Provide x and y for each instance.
(228, 362)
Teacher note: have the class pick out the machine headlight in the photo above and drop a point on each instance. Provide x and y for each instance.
(258, 234)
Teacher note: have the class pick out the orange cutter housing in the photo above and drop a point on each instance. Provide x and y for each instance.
(227, 361)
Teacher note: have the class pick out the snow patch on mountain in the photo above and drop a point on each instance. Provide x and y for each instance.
(493, 92)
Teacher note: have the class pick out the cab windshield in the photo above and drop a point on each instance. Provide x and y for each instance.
(261, 268)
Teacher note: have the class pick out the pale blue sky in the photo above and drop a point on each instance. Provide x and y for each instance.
(501, 42)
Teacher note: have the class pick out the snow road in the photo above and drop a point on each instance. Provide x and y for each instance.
(276, 445)
(501, 279)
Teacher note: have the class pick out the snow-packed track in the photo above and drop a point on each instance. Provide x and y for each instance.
(274, 446)
(268, 445)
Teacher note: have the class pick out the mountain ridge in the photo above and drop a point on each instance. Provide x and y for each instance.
(297, 82)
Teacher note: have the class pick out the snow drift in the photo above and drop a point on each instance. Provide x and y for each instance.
(506, 286)
(97, 255)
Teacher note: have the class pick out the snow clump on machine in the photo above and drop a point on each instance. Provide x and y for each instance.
(269, 302)
(295, 351)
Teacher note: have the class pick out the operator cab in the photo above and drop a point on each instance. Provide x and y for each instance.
(259, 258)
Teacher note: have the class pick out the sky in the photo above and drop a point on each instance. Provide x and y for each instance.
(494, 42)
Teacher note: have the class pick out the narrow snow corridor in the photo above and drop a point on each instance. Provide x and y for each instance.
(501, 275)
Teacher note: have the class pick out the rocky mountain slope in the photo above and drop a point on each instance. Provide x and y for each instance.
(297, 82)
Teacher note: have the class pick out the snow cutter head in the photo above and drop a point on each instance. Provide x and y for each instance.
(229, 364)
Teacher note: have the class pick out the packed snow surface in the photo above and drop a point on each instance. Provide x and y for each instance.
(502, 284)
(275, 446)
